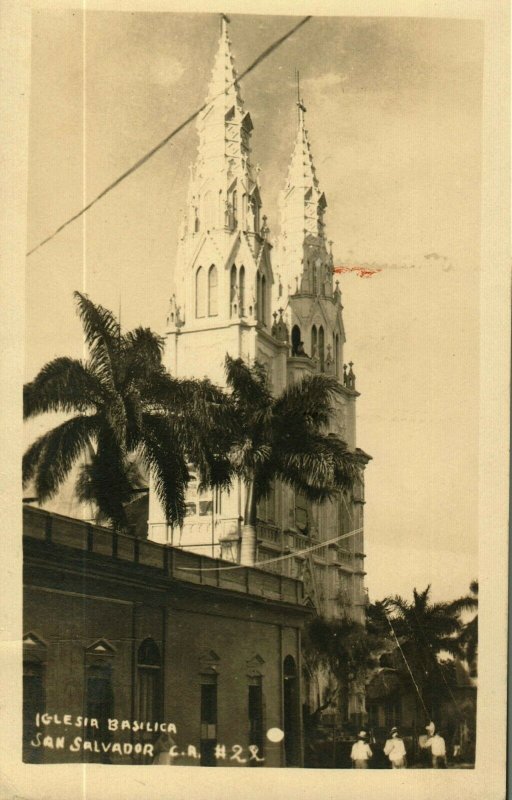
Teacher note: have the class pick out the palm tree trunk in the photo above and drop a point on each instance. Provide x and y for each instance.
(248, 544)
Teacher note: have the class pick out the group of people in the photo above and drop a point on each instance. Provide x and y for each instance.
(395, 751)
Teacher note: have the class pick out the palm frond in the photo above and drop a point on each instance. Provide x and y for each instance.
(143, 350)
(165, 459)
(103, 336)
(310, 401)
(50, 458)
(248, 383)
(106, 483)
(64, 384)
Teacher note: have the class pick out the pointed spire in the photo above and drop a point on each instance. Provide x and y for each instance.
(223, 83)
(223, 192)
(302, 254)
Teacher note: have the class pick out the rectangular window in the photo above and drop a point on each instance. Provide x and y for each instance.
(99, 705)
(255, 704)
(205, 507)
(208, 720)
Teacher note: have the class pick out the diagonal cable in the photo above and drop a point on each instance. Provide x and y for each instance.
(171, 135)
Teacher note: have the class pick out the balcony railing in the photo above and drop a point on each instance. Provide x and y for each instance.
(65, 533)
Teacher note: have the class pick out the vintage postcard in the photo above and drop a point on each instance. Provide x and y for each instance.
(256, 292)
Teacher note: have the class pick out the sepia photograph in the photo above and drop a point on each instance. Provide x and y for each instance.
(253, 440)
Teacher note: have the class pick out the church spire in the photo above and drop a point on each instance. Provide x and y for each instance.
(223, 191)
(302, 206)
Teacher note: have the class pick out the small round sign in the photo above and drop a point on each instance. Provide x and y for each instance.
(275, 735)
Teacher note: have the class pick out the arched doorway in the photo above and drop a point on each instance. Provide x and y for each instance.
(291, 720)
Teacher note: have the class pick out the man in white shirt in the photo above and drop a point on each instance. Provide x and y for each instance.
(437, 746)
(361, 752)
(395, 750)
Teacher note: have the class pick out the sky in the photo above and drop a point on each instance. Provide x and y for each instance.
(394, 120)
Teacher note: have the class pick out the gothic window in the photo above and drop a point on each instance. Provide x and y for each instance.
(314, 342)
(263, 312)
(258, 295)
(321, 347)
(241, 290)
(212, 291)
(201, 292)
(296, 340)
(255, 210)
(232, 292)
(234, 203)
(315, 281)
(196, 221)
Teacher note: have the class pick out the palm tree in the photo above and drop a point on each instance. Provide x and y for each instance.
(425, 631)
(469, 634)
(281, 438)
(346, 649)
(123, 403)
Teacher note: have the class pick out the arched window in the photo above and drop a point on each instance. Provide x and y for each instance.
(337, 355)
(241, 291)
(149, 686)
(255, 209)
(232, 292)
(314, 342)
(321, 347)
(234, 202)
(212, 291)
(263, 312)
(296, 340)
(258, 295)
(201, 292)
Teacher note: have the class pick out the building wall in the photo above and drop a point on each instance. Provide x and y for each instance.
(84, 609)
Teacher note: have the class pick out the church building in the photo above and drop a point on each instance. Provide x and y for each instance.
(279, 305)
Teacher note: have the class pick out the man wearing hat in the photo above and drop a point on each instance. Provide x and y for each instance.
(395, 750)
(437, 746)
(361, 752)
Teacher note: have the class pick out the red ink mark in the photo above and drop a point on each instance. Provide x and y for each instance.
(363, 272)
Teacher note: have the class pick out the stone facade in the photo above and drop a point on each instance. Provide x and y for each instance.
(123, 629)
(230, 299)
(284, 310)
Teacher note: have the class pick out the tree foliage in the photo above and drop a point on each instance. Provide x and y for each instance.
(125, 403)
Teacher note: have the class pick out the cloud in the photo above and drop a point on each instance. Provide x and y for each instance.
(165, 70)
(323, 83)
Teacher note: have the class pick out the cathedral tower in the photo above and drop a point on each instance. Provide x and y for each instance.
(223, 277)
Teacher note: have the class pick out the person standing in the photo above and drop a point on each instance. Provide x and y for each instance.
(437, 746)
(395, 750)
(163, 750)
(361, 752)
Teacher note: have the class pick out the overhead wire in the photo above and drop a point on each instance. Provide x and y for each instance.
(277, 558)
(268, 51)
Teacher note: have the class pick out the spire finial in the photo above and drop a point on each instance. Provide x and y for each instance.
(300, 102)
(224, 22)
